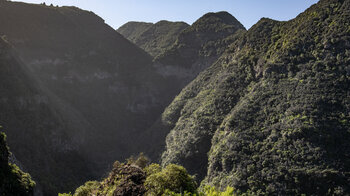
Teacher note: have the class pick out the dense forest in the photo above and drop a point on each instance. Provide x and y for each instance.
(171, 108)
(271, 116)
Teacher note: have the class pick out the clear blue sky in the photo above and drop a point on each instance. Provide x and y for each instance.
(248, 12)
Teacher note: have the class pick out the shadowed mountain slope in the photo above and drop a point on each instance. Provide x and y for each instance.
(199, 46)
(44, 134)
(153, 38)
(103, 86)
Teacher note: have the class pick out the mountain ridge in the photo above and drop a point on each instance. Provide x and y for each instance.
(198, 46)
(153, 38)
(99, 88)
(266, 111)
(252, 118)
(191, 54)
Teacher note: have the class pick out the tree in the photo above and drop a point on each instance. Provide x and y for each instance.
(172, 178)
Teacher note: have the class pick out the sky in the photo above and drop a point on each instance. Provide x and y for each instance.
(248, 12)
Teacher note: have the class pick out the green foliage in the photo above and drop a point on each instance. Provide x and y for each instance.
(208, 191)
(65, 194)
(88, 189)
(171, 193)
(172, 178)
(271, 116)
(212, 191)
(124, 179)
(13, 181)
(153, 169)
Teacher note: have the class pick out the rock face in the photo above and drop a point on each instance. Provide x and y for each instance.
(76, 89)
(13, 181)
(272, 115)
(153, 38)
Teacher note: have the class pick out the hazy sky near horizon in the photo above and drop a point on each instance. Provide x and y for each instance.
(248, 12)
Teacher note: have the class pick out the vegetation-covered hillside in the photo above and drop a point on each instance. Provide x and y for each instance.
(13, 181)
(137, 177)
(198, 46)
(153, 38)
(272, 115)
(269, 115)
(133, 30)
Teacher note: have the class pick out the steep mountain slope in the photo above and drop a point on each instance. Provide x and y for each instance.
(92, 68)
(272, 115)
(198, 46)
(45, 135)
(12, 180)
(133, 30)
(155, 38)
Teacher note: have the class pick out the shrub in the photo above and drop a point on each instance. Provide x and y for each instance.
(212, 191)
(89, 188)
(65, 194)
(173, 178)
(152, 169)
(208, 191)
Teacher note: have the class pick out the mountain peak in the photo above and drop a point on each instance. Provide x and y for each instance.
(218, 19)
(224, 16)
